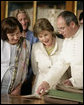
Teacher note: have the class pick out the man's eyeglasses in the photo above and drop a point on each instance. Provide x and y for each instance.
(60, 29)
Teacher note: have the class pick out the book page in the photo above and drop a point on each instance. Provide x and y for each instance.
(68, 88)
(32, 96)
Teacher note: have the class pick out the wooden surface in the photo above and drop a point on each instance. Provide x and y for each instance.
(8, 99)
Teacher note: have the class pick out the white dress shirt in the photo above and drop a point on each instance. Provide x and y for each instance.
(71, 55)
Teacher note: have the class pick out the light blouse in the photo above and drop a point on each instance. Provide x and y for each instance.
(8, 55)
(42, 62)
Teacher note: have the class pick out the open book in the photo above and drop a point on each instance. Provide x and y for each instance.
(64, 94)
(59, 96)
(63, 87)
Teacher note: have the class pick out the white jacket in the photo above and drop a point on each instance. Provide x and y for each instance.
(42, 62)
(71, 55)
(8, 53)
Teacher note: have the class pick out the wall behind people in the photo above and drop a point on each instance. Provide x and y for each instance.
(48, 10)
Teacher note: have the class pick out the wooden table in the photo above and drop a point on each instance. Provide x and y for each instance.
(9, 99)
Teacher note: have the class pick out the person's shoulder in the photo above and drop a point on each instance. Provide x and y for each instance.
(28, 42)
(1, 41)
(37, 45)
(81, 26)
(59, 40)
(30, 32)
(4, 43)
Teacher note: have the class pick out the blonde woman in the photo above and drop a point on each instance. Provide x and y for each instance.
(24, 19)
(44, 53)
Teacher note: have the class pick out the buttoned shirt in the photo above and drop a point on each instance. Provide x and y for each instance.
(42, 62)
(71, 55)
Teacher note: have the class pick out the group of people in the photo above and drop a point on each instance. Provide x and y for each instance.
(34, 62)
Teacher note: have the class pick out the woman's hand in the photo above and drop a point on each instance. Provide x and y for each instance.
(17, 90)
(43, 88)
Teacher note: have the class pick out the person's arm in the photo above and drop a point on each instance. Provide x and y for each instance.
(33, 60)
(53, 76)
(5, 52)
(17, 90)
(77, 77)
(76, 80)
